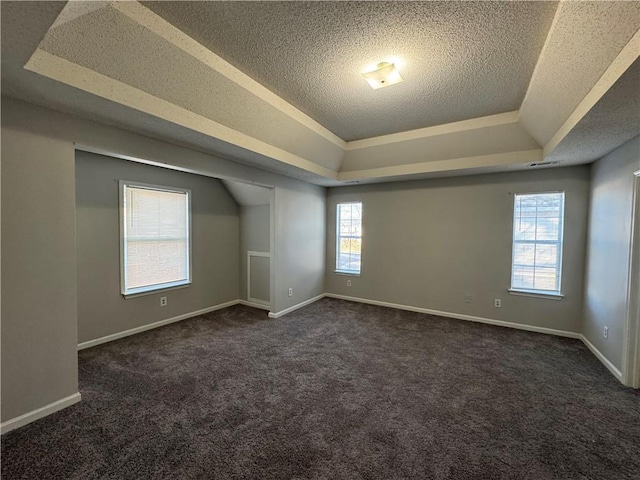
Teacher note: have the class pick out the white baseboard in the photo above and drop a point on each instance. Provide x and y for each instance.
(561, 333)
(501, 323)
(605, 361)
(38, 413)
(261, 306)
(459, 316)
(295, 307)
(150, 326)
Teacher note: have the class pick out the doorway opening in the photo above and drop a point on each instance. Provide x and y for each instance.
(255, 204)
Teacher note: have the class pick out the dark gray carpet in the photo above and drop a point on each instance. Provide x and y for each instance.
(337, 390)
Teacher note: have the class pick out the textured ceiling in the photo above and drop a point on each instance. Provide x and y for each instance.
(576, 54)
(460, 60)
(618, 110)
(470, 143)
(24, 24)
(153, 65)
(482, 145)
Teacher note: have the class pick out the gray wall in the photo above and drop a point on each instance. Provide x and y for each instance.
(299, 207)
(428, 243)
(39, 335)
(607, 277)
(102, 310)
(255, 235)
(300, 244)
(39, 327)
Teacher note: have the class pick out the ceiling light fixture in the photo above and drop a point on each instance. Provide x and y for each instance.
(385, 74)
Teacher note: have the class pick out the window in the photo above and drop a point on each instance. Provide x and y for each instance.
(155, 229)
(349, 237)
(537, 242)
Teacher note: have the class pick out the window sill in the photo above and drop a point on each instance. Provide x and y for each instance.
(349, 274)
(155, 290)
(536, 294)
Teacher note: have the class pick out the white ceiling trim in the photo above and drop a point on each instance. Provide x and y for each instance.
(616, 69)
(447, 128)
(584, 40)
(63, 70)
(543, 51)
(492, 160)
(148, 19)
(75, 9)
(481, 159)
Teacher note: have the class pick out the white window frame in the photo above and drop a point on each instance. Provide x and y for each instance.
(149, 289)
(339, 237)
(556, 294)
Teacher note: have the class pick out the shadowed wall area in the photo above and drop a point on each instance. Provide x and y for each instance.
(214, 238)
(336, 390)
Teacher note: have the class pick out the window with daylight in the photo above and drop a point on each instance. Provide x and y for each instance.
(537, 243)
(349, 237)
(155, 229)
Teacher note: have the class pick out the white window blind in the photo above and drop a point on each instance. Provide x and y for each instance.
(349, 237)
(155, 224)
(537, 242)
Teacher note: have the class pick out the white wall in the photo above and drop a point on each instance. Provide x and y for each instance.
(39, 151)
(609, 246)
(39, 333)
(428, 243)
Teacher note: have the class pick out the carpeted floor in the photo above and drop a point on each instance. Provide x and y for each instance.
(336, 390)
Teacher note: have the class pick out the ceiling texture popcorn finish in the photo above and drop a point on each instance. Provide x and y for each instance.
(488, 86)
(460, 60)
(619, 110)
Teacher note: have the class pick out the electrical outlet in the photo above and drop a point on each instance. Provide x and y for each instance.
(291, 292)
(348, 283)
(497, 303)
(605, 332)
(467, 298)
(163, 301)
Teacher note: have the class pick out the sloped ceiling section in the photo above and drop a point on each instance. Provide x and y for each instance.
(589, 46)
(619, 109)
(247, 195)
(459, 60)
(128, 54)
(125, 53)
(466, 144)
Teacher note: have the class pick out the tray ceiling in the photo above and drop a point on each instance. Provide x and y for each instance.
(489, 86)
(459, 60)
